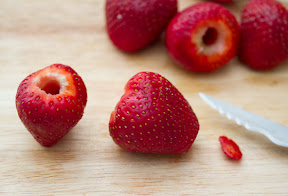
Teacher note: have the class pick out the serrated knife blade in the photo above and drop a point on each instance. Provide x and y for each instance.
(277, 133)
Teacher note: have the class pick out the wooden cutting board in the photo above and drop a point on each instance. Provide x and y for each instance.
(34, 34)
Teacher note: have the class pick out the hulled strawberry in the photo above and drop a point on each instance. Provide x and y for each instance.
(50, 102)
(264, 34)
(134, 24)
(153, 117)
(203, 38)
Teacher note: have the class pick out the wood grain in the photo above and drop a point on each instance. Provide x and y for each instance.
(34, 34)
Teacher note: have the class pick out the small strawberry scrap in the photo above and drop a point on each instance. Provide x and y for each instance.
(230, 148)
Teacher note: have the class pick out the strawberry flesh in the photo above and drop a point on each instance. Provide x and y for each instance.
(51, 87)
(230, 148)
(153, 117)
(50, 102)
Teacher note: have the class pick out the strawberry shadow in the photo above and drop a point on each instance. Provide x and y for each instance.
(63, 151)
(155, 160)
(234, 162)
(222, 71)
(281, 68)
(158, 43)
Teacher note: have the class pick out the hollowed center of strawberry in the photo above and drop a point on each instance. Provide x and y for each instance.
(210, 36)
(211, 39)
(50, 86)
(52, 83)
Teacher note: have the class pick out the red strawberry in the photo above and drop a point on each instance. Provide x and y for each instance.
(230, 148)
(203, 37)
(153, 117)
(50, 102)
(223, 1)
(134, 24)
(264, 34)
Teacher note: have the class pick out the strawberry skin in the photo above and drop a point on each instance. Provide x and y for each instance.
(134, 24)
(203, 38)
(50, 102)
(223, 1)
(153, 117)
(264, 34)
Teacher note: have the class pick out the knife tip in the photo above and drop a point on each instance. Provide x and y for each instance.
(202, 95)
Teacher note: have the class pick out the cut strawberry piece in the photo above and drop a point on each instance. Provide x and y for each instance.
(203, 38)
(153, 117)
(50, 102)
(230, 148)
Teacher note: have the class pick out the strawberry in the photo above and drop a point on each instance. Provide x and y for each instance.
(230, 148)
(50, 102)
(134, 24)
(223, 1)
(203, 38)
(264, 34)
(153, 117)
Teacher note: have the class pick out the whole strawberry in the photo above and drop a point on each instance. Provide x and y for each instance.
(50, 102)
(264, 34)
(203, 38)
(134, 24)
(153, 117)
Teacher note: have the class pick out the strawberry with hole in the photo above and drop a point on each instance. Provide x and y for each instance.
(134, 24)
(153, 117)
(230, 148)
(203, 38)
(50, 102)
(264, 34)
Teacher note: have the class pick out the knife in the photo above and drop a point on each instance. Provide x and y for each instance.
(277, 133)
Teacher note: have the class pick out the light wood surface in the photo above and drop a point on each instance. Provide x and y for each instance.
(35, 34)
